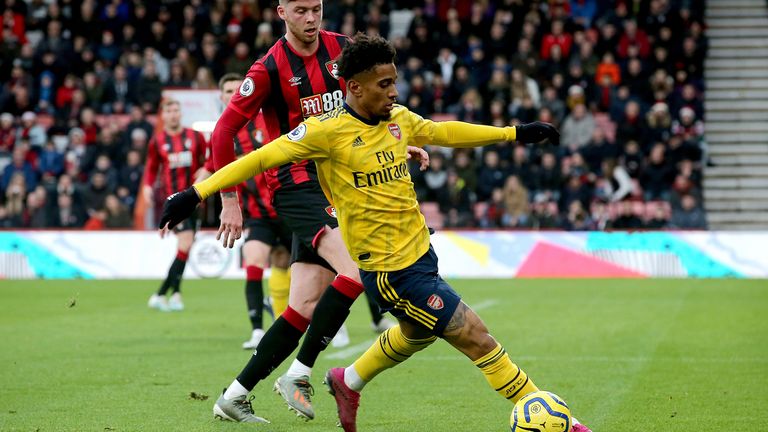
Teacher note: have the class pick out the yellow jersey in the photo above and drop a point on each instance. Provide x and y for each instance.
(363, 170)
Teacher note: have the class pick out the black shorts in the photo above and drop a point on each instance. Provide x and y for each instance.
(191, 223)
(416, 293)
(306, 211)
(270, 231)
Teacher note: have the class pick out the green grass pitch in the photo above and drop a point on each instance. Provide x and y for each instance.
(627, 355)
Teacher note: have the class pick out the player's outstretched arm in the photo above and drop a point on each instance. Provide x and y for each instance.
(460, 134)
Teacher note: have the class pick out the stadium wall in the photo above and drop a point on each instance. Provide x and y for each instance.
(463, 254)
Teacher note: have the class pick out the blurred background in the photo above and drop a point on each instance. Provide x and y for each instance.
(623, 80)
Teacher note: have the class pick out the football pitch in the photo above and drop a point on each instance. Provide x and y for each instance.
(627, 355)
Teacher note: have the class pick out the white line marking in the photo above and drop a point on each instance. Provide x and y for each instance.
(352, 350)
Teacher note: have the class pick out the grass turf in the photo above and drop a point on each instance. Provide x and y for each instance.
(627, 355)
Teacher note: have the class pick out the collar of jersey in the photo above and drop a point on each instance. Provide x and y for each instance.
(370, 122)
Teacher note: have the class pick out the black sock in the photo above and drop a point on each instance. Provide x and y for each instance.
(376, 315)
(330, 313)
(278, 343)
(254, 298)
(173, 280)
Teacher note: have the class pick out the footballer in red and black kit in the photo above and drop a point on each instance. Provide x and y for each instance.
(178, 154)
(288, 88)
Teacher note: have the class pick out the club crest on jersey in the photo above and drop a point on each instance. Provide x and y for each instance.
(298, 133)
(332, 68)
(435, 302)
(247, 87)
(331, 210)
(394, 129)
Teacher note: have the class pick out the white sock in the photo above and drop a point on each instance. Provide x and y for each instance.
(574, 420)
(352, 379)
(234, 390)
(299, 369)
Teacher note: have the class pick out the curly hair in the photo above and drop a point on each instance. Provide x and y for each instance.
(364, 53)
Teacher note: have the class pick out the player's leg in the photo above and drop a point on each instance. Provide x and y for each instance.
(185, 235)
(255, 258)
(279, 340)
(186, 239)
(280, 279)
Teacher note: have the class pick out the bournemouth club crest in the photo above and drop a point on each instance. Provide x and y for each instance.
(332, 68)
(331, 210)
(394, 129)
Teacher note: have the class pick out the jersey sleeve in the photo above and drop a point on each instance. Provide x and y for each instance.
(153, 163)
(306, 141)
(455, 133)
(253, 91)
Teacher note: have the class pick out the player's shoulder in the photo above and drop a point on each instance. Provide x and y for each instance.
(342, 39)
(400, 111)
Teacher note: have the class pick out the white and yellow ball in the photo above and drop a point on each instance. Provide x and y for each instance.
(541, 411)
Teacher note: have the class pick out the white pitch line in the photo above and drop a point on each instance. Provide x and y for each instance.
(352, 350)
(485, 304)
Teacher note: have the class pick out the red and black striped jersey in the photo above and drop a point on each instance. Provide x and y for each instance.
(178, 157)
(254, 193)
(289, 88)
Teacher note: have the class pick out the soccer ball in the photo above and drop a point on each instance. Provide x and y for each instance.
(541, 411)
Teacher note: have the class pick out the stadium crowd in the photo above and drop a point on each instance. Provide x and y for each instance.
(623, 80)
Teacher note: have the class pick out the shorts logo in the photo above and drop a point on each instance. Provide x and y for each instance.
(298, 133)
(332, 68)
(435, 302)
(394, 129)
(247, 87)
(331, 210)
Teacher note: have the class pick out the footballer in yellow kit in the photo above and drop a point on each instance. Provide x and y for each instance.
(360, 150)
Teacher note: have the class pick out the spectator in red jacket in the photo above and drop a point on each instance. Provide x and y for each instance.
(633, 36)
(557, 36)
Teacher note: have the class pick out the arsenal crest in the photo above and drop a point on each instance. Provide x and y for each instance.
(435, 302)
(332, 68)
(394, 129)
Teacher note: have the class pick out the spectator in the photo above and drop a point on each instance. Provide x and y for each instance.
(435, 177)
(19, 166)
(556, 37)
(614, 183)
(633, 38)
(632, 125)
(490, 177)
(94, 92)
(36, 214)
(597, 150)
(32, 131)
(544, 214)
(549, 180)
(657, 175)
(96, 193)
(516, 210)
(465, 167)
(626, 219)
(577, 128)
(67, 215)
(50, 162)
(576, 218)
(494, 212)
(455, 201)
(554, 104)
(609, 68)
(689, 215)
(149, 88)
(7, 134)
(117, 215)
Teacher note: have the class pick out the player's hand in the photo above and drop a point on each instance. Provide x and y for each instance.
(231, 225)
(420, 155)
(149, 195)
(178, 207)
(536, 132)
